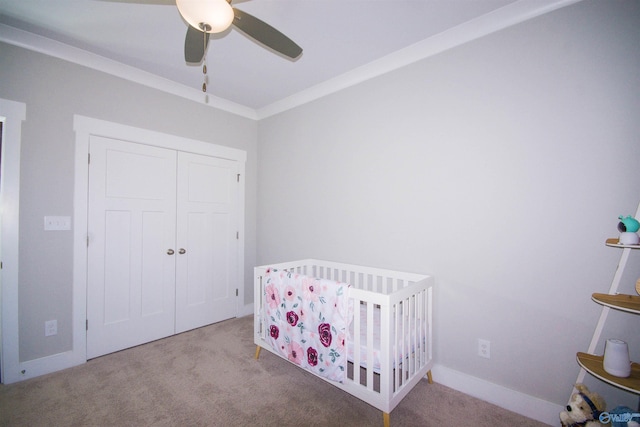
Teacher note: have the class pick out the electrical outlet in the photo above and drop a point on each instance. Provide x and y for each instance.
(50, 328)
(484, 348)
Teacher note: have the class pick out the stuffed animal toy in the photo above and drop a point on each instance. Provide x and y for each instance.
(584, 409)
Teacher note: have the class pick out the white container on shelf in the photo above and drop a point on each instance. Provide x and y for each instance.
(616, 358)
(629, 238)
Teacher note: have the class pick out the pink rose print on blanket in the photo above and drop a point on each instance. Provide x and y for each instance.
(341, 341)
(292, 318)
(312, 356)
(273, 297)
(274, 332)
(311, 289)
(325, 334)
(289, 293)
(295, 353)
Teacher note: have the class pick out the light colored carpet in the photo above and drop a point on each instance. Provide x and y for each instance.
(209, 377)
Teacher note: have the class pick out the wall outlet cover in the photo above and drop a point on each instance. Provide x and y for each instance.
(50, 328)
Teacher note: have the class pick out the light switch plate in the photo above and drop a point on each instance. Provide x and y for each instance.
(57, 223)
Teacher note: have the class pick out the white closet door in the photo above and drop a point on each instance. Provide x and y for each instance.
(207, 210)
(131, 226)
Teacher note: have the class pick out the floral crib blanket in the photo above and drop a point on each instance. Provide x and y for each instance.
(308, 320)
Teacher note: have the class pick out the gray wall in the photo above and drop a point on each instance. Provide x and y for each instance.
(53, 91)
(500, 167)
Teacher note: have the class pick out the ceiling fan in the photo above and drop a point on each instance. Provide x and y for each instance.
(215, 16)
(207, 17)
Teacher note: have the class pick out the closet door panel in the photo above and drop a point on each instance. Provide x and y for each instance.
(117, 267)
(221, 256)
(198, 271)
(206, 273)
(131, 225)
(155, 285)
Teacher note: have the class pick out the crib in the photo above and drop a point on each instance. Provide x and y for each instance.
(393, 313)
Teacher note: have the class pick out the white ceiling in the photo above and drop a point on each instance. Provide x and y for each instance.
(338, 37)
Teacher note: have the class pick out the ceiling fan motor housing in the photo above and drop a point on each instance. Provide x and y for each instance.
(211, 16)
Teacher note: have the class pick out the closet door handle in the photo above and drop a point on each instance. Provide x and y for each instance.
(182, 251)
(170, 252)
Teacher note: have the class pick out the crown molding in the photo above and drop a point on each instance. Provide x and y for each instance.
(496, 20)
(82, 57)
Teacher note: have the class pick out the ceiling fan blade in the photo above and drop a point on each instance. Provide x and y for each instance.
(265, 34)
(195, 44)
(158, 2)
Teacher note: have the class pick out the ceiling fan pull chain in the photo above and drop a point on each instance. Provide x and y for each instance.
(204, 63)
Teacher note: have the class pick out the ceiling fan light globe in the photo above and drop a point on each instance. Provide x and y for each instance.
(216, 14)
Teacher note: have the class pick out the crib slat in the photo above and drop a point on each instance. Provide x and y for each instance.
(413, 327)
(397, 316)
(405, 341)
(416, 344)
(370, 346)
(423, 331)
(418, 328)
(356, 341)
(386, 351)
(259, 328)
(429, 310)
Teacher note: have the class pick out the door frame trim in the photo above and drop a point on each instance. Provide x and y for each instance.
(13, 114)
(85, 127)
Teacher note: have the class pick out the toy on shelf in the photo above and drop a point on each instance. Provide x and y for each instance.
(628, 227)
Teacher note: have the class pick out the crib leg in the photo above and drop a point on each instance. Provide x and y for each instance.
(385, 419)
(258, 348)
(429, 377)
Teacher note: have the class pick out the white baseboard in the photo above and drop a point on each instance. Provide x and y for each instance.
(523, 404)
(42, 366)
